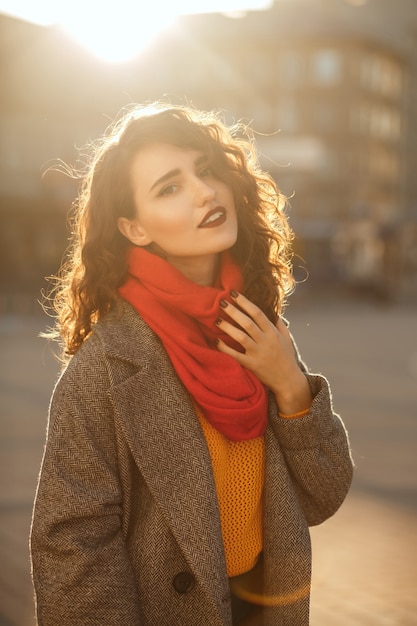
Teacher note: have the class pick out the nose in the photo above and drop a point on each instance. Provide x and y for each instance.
(203, 191)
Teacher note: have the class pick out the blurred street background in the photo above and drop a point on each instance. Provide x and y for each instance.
(330, 87)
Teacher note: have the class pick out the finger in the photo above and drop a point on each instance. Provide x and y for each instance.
(252, 320)
(240, 357)
(245, 338)
(253, 311)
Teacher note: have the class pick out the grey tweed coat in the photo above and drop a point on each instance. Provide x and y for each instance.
(126, 528)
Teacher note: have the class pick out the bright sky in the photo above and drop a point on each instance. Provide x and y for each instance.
(119, 31)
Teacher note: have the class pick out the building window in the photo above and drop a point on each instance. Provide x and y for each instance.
(381, 75)
(379, 121)
(385, 123)
(292, 68)
(326, 67)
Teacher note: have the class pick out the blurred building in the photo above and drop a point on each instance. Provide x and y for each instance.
(329, 85)
(339, 105)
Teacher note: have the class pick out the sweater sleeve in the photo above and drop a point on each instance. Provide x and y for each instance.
(80, 565)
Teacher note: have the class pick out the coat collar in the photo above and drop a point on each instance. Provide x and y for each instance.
(126, 336)
(157, 418)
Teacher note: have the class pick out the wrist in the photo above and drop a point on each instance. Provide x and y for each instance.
(296, 397)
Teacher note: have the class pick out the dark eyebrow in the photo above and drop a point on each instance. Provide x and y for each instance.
(199, 161)
(203, 158)
(165, 177)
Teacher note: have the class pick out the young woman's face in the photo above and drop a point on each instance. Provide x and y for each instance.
(182, 208)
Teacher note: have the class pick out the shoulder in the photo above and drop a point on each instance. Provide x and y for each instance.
(119, 340)
(91, 372)
(120, 333)
(123, 334)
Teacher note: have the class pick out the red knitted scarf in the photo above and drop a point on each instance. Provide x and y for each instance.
(183, 315)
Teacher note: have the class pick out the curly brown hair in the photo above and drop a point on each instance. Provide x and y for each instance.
(86, 287)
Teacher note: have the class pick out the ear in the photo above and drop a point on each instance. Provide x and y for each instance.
(132, 230)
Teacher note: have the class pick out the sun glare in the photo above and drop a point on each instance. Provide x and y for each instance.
(118, 32)
(116, 36)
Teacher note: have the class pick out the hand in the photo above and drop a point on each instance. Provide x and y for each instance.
(268, 353)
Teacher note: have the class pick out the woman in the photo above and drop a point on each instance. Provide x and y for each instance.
(188, 447)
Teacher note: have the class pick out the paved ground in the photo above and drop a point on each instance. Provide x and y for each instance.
(365, 566)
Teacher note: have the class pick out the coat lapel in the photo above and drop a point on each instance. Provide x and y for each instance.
(159, 423)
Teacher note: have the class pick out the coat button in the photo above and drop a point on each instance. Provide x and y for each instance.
(183, 582)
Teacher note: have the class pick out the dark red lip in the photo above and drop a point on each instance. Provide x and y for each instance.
(214, 217)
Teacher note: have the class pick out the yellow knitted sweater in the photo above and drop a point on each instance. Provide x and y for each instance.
(238, 469)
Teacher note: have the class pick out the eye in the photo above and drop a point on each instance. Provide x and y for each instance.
(206, 171)
(168, 190)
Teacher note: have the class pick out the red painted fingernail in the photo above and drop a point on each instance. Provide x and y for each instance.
(223, 303)
(234, 293)
(218, 321)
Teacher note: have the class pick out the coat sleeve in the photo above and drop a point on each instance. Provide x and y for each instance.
(81, 569)
(317, 452)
